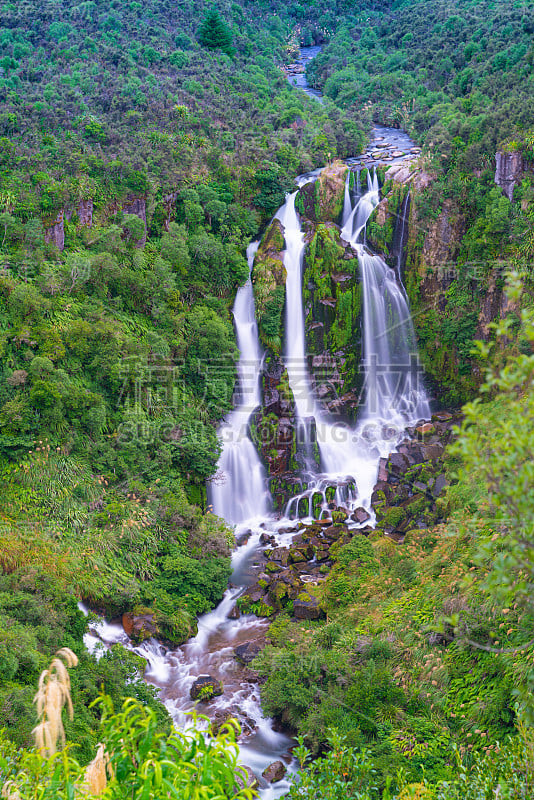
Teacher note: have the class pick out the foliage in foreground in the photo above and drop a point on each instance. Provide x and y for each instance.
(346, 773)
(142, 762)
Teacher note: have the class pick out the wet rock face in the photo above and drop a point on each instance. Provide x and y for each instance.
(205, 688)
(268, 280)
(139, 626)
(508, 170)
(322, 200)
(274, 772)
(332, 295)
(273, 424)
(411, 480)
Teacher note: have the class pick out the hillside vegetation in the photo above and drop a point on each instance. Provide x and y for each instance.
(136, 165)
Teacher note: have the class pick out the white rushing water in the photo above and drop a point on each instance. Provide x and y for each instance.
(211, 652)
(394, 391)
(239, 492)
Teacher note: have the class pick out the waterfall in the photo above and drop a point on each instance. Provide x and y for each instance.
(401, 231)
(394, 393)
(239, 491)
(347, 202)
(342, 456)
(309, 415)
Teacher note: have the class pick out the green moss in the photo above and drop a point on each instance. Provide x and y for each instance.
(393, 517)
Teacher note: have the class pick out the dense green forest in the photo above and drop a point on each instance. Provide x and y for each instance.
(143, 146)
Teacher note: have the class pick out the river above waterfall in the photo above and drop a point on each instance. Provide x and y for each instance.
(296, 72)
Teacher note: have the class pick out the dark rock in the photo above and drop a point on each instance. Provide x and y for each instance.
(280, 554)
(307, 607)
(255, 593)
(360, 515)
(272, 566)
(432, 452)
(339, 515)
(220, 718)
(440, 485)
(419, 486)
(278, 591)
(398, 463)
(301, 553)
(382, 490)
(274, 772)
(247, 652)
(250, 781)
(234, 613)
(335, 531)
(382, 470)
(139, 626)
(205, 687)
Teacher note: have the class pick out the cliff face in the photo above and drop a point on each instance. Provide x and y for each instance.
(332, 304)
(508, 169)
(322, 200)
(84, 211)
(453, 300)
(269, 279)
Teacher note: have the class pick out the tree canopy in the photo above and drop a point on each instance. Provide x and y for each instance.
(214, 33)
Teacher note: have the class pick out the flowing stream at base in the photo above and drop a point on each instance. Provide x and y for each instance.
(348, 460)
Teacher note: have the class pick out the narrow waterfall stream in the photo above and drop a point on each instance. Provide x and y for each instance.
(240, 491)
(349, 458)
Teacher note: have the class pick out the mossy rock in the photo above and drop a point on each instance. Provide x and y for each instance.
(205, 688)
(393, 517)
(322, 200)
(269, 279)
(272, 567)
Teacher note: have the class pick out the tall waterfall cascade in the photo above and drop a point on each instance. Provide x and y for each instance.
(393, 390)
(239, 492)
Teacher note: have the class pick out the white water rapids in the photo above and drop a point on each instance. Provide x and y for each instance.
(394, 398)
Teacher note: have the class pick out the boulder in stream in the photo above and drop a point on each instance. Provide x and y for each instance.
(205, 687)
(274, 772)
(247, 652)
(248, 782)
(139, 626)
